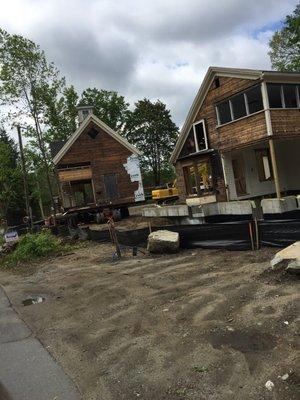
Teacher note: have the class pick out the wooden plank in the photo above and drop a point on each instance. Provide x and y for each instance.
(69, 175)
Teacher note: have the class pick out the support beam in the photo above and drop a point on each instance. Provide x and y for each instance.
(274, 167)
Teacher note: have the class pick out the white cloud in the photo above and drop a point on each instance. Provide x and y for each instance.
(158, 49)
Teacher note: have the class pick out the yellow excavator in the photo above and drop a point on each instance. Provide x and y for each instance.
(166, 194)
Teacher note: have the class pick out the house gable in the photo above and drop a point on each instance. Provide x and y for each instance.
(91, 125)
(231, 80)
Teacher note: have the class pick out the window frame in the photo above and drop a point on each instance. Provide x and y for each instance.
(200, 121)
(244, 92)
(283, 104)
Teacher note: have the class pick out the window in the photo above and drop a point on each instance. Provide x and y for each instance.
(264, 166)
(241, 105)
(200, 135)
(205, 176)
(224, 113)
(254, 99)
(283, 95)
(238, 106)
(290, 96)
(196, 140)
(274, 95)
(198, 178)
(190, 180)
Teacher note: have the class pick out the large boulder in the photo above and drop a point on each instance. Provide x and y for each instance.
(288, 258)
(163, 242)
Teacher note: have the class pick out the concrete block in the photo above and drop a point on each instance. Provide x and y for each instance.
(198, 201)
(136, 211)
(163, 241)
(279, 206)
(244, 207)
(166, 211)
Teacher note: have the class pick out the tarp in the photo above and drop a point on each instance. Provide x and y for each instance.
(280, 233)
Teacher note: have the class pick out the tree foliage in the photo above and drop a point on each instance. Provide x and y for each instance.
(11, 188)
(109, 106)
(152, 130)
(285, 44)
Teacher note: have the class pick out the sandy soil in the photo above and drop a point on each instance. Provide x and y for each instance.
(201, 324)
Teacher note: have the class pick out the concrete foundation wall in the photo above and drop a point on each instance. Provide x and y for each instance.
(278, 206)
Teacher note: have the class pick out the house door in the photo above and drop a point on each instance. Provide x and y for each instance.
(239, 176)
(111, 187)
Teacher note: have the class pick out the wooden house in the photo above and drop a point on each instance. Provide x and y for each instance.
(97, 167)
(241, 137)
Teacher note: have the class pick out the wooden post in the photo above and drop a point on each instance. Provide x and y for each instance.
(274, 167)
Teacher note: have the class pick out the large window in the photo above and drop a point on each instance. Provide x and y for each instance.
(239, 106)
(283, 95)
(198, 178)
(196, 140)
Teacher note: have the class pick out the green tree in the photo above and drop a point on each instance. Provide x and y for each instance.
(11, 188)
(109, 106)
(152, 130)
(60, 114)
(285, 44)
(25, 77)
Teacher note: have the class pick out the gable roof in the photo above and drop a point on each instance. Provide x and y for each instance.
(211, 73)
(104, 127)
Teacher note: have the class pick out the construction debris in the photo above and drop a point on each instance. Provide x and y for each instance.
(163, 241)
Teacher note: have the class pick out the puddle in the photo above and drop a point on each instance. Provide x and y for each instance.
(33, 300)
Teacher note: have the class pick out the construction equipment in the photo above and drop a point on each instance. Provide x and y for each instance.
(166, 194)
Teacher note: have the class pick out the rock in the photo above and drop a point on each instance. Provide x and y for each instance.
(269, 385)
(163, 241)
(285, 377)
(294, 267)
(284, 257)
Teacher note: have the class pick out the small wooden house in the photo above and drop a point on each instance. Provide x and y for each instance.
(97, 167)
(241, 137)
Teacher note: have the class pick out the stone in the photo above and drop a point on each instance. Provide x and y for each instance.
(294, 267)
(285, 257)
(163, 241)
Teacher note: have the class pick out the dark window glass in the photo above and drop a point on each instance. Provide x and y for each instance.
(254, 97)
(274, 95)
(290, 98)
(200, 136)
(238, 106)
(189, 145)
(224, 112)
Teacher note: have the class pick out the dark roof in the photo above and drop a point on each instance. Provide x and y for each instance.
(56, 146)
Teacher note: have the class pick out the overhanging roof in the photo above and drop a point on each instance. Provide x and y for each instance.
(104, 127)
(213, 72)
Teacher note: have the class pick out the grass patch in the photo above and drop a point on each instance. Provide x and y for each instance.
(33, 246)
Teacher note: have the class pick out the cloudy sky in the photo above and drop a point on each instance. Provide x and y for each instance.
(148, 48)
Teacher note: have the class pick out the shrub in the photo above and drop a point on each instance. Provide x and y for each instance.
(32, 246)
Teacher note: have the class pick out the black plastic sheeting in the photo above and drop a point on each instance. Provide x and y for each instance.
(280, 233)
(229, 236)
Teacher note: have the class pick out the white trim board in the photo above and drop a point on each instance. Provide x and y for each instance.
(101, 125)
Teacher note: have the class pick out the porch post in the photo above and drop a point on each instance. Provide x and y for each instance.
(274, 167)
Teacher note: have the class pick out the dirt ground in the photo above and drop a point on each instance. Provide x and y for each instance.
(200, 324)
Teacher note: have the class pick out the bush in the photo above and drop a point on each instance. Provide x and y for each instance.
(32, 246)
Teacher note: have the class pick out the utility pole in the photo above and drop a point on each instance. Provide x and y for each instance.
(28, 208)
